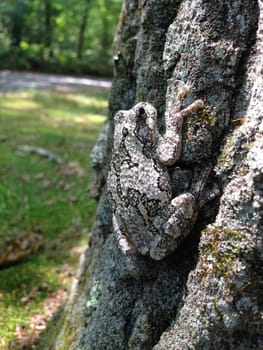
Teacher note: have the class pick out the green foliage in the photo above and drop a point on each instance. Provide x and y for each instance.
(58, 36)
(40, 196)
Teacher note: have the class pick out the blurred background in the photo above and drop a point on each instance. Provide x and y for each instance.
(58, 36)
(48, 125)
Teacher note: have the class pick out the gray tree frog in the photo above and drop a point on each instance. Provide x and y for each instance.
(146, 219)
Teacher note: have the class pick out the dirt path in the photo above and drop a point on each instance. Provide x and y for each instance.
(13, 81)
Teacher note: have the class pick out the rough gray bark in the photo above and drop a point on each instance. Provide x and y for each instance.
(207, 294)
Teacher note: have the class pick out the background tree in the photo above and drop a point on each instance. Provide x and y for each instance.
(83, 25)
(206, 295)
(48, 26)
(60, 36)
(16, 20)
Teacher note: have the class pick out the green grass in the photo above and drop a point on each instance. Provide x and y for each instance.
(40, 196)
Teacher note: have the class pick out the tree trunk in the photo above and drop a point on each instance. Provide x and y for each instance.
(207, 294)
(17, 23)
(48, 27)
(82, 29)
(105, 35)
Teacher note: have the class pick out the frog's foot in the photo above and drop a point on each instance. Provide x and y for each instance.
(183, 93)
(195, 106)
(209, 195)
(126, 245)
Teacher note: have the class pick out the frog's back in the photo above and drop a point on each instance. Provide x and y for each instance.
(138, 187)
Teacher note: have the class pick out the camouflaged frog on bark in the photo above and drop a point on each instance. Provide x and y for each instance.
(146, 217)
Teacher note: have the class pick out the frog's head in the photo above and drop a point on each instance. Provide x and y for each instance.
(145, 123)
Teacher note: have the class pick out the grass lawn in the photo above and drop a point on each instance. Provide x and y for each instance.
(43, 202)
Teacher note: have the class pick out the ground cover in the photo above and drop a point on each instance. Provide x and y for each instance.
(45, 211)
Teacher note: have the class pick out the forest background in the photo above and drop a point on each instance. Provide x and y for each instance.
(45, 211)
(58, 36)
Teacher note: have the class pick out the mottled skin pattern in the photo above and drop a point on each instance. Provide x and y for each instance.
(146, 219)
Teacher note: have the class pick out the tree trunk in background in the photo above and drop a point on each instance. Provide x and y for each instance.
(207, 294)
(48, 27)
(82, 29)
(17, 23)
(105, 36)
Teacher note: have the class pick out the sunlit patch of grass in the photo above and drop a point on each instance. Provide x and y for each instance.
(38, 195)
(87, 100)
(93, 118)
(18, 104)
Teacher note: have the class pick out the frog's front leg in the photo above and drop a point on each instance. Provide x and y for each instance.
(169, 149)
(125, 244)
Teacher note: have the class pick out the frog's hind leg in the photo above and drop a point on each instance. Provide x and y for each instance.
(173, 225)
(126, 245)
(177, 219)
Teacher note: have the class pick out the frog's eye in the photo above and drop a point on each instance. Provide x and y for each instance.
(125, 132)
(141, 111)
